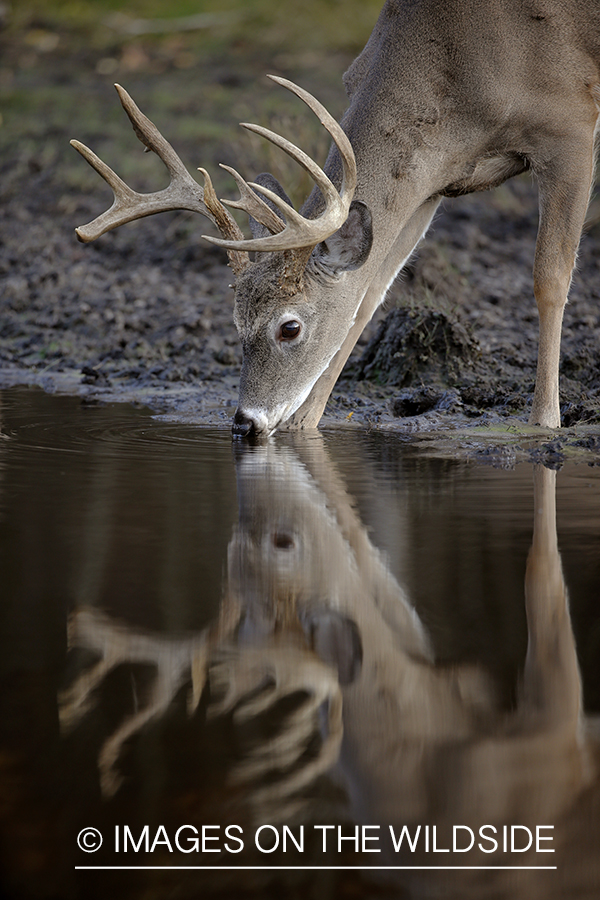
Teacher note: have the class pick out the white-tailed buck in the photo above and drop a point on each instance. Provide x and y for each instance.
(448, 97)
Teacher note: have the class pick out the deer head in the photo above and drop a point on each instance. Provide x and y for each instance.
(282, 310)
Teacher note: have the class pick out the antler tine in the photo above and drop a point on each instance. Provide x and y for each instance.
(334, 128)
(183, 192)
(149, 135)
(252, 204)
(300, 232)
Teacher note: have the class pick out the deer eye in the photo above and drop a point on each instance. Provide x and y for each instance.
(283, 541)
(289, 330)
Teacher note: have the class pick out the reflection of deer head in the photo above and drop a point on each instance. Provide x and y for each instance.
(311, 610)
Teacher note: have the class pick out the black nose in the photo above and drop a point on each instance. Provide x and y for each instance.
(242, 426)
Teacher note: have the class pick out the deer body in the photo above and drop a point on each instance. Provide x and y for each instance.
(446, 98)
(452, 97)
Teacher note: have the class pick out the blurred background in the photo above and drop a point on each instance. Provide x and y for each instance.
(200, 64)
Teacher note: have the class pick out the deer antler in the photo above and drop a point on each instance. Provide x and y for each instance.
(294, 232)
(298, 231)
(183, 191)
(250, 203)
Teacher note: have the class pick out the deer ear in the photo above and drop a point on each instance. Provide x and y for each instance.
(349, 247)
(336, 641)
(269, 181)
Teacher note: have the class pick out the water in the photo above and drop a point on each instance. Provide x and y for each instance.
(208, 649)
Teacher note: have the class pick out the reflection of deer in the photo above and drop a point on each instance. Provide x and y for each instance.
(313, 606)
(422, 743)
(410, 707)
(246, 682)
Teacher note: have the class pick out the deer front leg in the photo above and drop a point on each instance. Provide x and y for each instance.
(564, 195)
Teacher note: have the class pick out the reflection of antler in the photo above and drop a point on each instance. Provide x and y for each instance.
(176, 661)
(247, 682)
(282, 670)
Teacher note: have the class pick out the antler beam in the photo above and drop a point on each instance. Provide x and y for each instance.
(301, 232)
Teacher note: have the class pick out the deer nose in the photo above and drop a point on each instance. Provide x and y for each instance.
(242, 426)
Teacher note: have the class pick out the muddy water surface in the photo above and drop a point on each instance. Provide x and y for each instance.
(325, 667)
